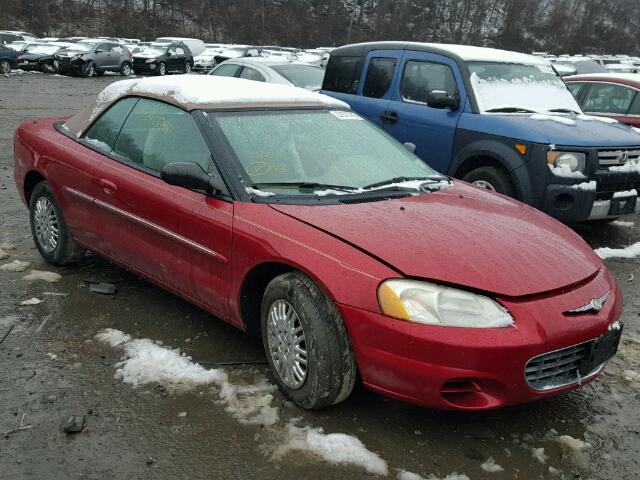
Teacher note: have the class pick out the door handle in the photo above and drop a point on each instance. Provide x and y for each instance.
(107, 186)
(389, 117)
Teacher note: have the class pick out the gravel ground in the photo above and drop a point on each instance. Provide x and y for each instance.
(51, 367)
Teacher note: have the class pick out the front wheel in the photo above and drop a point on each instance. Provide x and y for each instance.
(49, 230)
(162, 69)
(125, 70)
(306, 342)
(5, 67)
(89, 69)
(494, 179)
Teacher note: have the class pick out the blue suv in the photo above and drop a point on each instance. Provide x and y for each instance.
(501, 120)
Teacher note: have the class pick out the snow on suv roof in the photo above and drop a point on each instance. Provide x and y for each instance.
(191, 92)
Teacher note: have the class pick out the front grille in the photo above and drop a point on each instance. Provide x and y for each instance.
(617, 157)
(556, 369)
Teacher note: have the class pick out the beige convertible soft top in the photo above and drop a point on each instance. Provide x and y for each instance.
(192, 92)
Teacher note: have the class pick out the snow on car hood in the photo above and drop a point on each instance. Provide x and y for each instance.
(463, 236)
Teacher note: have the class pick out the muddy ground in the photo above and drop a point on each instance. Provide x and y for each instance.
(52, 367)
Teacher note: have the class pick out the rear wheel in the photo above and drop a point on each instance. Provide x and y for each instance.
(125, 70)
(187, 67)
(5, 67)
(491, 178)
(306, 342)
(162, 69)
(49, 230)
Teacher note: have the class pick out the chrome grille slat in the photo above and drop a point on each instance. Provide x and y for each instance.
(555, 369)
(610, 157)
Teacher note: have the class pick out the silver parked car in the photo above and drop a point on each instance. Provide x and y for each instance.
(272, 71)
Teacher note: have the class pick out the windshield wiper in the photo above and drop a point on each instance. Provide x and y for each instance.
(432, 179)
(563, 110)
(510, 110)
(307, 186)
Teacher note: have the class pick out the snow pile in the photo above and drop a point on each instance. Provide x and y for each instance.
(629, 167)
(7, 246)
(15, 266)
(626, 193)
(538, 454)
(491, 466)
(631, 251)
(631, 376)
(589, 118)
(3, 254)
(553, 118)
(250, 404)
(587, 186)
(337, 448)
(615, 326)
(565, 171)
(258, 193)
(405, 475)
(31, 301)
(574, 444)
(617, 223)
(50, 277)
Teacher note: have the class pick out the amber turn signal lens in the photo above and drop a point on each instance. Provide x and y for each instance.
(521, 148)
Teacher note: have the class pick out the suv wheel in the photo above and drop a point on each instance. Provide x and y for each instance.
(49, 230)
(89, 69)
(162, 69)
(306, 342)
(187, 67)
(491, 178)
(125, 70)
(5, 67)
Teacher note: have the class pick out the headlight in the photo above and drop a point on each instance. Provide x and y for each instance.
(573, 160)
(151, 60)
(433, 304)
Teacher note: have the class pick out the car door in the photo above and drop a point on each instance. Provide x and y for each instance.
(145, 219)
(180, 58)
(608, 100)
(172, 60)
(374, 88)
(409, 118)
(101, 57)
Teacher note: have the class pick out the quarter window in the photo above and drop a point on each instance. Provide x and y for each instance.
(576, 88)
(180, 51)
(251, 74)
(421, 78)
(228, 70)
(104, 131)
(608, 98)
(156, 133)
(343, 74)
(379, 76)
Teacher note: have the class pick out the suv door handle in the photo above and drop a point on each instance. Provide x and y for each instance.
(107, 186)
(389, 117)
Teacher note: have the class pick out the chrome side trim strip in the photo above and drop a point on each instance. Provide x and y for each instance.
(150, 225)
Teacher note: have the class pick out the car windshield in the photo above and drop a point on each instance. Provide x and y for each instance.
(43, 49)
(319, 152)
(305, 76)
(155, 49)
(84, 47)
(234, 51)
(512, 86)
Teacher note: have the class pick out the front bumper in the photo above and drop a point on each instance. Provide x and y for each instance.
(28, 66)
(203, 67)
(477, 369)
(145, 68)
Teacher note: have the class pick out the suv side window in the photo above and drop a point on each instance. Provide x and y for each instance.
(156, 133)
(608, 98)
(419, 78)
(343, 74)
(180, 50)
(171, 50)
(379, 77)
(226, 70)
(104, 131)
(251, 74)
(105, 47)
(576, 88)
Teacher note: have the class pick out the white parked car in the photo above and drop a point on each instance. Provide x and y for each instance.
(268, 70)
(195, 46)
(206, 60)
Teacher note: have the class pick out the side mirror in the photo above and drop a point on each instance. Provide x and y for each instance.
(188, 175)
(410, 146)
(441, 99)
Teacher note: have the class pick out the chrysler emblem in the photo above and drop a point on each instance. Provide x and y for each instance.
(623, 157)
(595, 305)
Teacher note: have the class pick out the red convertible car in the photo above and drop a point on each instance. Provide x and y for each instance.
(282, 212)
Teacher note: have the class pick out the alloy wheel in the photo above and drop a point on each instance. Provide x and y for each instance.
(91, 70)
(287, 344)
(126, 70)
(187, 67)
(5, 67)
(46, 225)
(162, 69)
(484, 184)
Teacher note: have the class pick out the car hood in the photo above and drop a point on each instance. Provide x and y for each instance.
(460, 235)
(34, 56)
(147, 55)
(71, 53)
(581, 133)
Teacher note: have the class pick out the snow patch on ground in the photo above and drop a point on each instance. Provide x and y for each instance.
(629, 167)
(631, 376)
(574, 444)
(7, 246)
(631, 251)
(250, 404)
(553, 118)
(565, 171)
(337, 448)
(51, 277)
(31, 301)
(405, 475)
(538, 454)
(622, 223)
(491, 466)
(3, 254)
(588, 186)
(15, 266)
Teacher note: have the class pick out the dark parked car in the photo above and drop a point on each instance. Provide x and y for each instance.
(39, 57)
(160, 59)
(93, 58)
(8, 59)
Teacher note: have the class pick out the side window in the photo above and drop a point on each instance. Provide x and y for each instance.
(608, 98)
(156, 133)
(343, 74)
(251, 74)
(635, 106)
(117, 49)
(420, 78)
(104, 131)
(379, 77)
(226, 70)
(576, 88)
(180, 51)
(105, 47)
(171, 50)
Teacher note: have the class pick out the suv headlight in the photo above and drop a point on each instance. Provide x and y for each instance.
(575, 161)
(433, 304)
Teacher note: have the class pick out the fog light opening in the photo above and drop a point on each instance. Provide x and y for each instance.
(564, 201)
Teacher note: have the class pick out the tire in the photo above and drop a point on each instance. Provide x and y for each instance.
(330, 372)
(43, 204)
(492, 178)
(125, 69)
(47, 68)
(162, 69)
(187, 67)
(88, 69)
(5, 67)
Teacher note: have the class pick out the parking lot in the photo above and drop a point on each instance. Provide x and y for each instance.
(53, 367)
